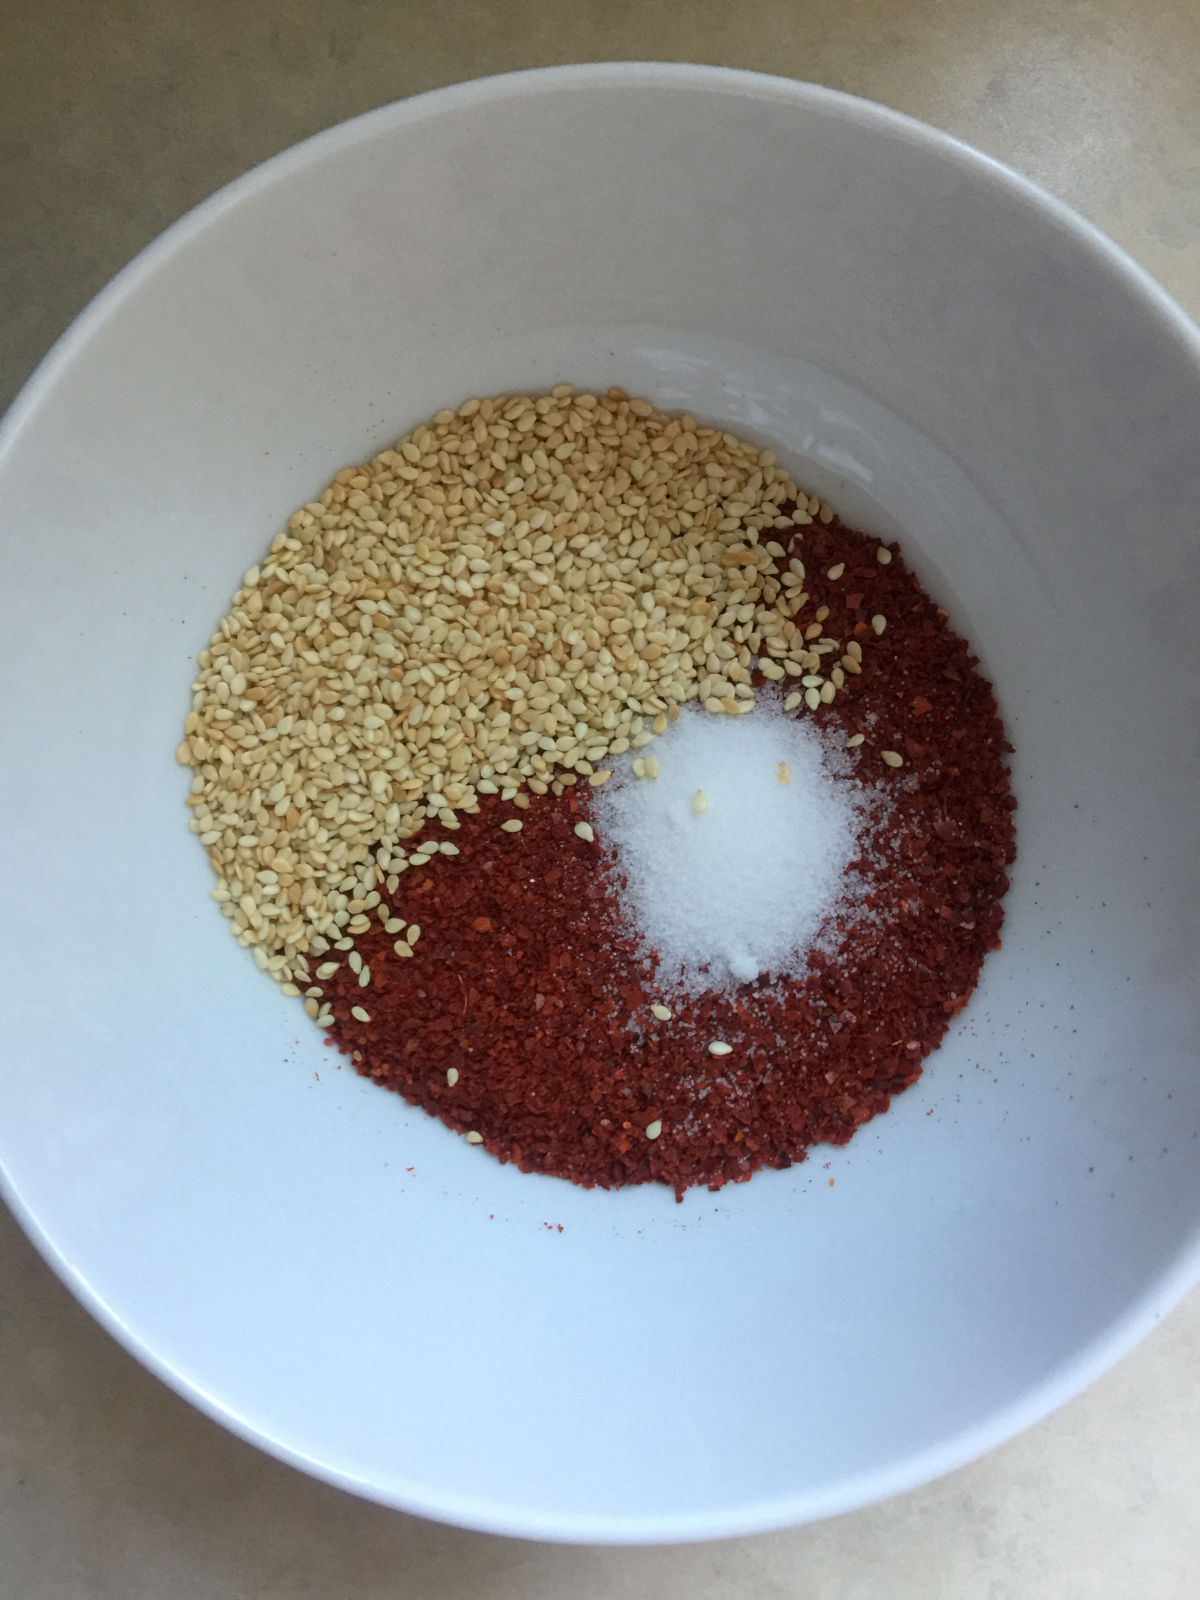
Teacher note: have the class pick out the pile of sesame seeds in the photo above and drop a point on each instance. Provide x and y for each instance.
(520, 590)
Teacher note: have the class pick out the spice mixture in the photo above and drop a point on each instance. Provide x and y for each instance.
(401, 737)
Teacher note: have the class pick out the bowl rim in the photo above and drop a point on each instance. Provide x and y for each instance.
(494, 1516)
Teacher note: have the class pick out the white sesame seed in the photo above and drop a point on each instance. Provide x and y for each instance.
(883, 555)
(368, 643)
(474, 1138)
(891, 758)
(855, 739)
(452, 1076)
(718, 1047)
(663, 1013)
(653, 1129)
(699, 802)
(359, 1014)
(583, 830)
(513, 825)
(878, 623)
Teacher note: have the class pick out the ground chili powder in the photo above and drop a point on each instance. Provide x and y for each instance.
(524, 1016)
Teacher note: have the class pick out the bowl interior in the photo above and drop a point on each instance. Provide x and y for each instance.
(946, 357)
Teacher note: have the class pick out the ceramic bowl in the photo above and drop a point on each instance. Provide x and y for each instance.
(943, 352)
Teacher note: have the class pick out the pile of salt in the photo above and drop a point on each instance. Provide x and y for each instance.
(735, 853)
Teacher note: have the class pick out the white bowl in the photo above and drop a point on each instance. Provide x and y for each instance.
(939, 349)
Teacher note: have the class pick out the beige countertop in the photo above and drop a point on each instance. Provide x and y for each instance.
(114, 119)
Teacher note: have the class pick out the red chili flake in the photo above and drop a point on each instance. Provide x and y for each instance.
(555, 1065)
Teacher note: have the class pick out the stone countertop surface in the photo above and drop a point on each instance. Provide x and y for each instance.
(114, 119)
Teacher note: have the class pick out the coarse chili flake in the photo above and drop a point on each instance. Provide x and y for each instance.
(527, 1016)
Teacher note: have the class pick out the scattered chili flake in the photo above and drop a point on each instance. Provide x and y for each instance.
(814, 1058)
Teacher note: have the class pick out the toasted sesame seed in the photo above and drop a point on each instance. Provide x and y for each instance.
(663, 1013)
(783, 772)
(653, 1129)
(327, 774)
(583, 830)
(891, 758)
(360, 1014)
(718, 1047)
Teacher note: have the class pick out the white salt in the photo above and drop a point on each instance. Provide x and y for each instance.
(730, 870)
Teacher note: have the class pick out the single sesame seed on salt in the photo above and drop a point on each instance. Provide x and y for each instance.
(742, 887)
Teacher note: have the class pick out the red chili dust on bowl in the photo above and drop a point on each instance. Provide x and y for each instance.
(527, 1014)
